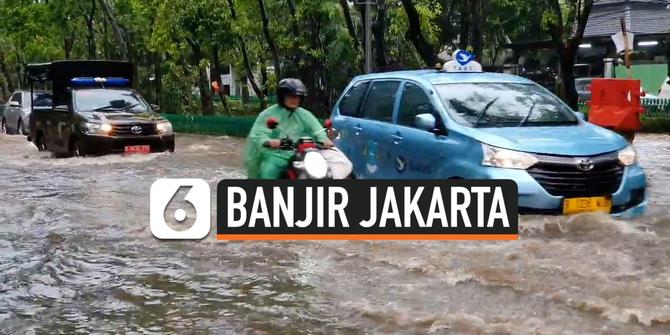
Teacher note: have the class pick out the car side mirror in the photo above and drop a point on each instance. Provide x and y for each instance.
(425, 121)
(14, 104)
(155, 108)
(62, 108)
(580, 116)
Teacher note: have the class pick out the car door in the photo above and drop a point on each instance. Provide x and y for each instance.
(57, 127)
(345, 116)
(417, 153)
(12, 113)
(374, 128)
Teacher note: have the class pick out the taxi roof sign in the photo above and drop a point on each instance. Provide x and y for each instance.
(462, 61)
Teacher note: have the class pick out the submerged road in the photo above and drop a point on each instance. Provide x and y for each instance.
(77, 255)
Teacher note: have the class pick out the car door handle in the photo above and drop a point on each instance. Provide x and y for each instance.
(396, 139)
(358, 129)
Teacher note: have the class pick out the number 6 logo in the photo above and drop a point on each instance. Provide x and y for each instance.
(161, 193)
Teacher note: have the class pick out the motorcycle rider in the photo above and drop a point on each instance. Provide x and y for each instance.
(262, 159)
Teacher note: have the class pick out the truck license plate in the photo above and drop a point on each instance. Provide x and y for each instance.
(586, 205)
(138, 149)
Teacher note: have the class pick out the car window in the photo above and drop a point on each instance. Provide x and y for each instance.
(414, 101)
(504, 105)
(351, 101)
(17, 97)
(42, 100)
(380, 100)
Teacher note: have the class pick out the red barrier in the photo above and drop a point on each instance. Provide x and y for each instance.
(615, 104)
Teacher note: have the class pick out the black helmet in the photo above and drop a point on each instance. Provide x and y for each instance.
(290, 86)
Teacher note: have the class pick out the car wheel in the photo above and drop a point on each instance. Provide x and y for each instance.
(3, 130)
(75, 149)
(19, 128)
(40, 142)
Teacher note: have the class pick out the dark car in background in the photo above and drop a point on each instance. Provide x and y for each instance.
(95, 111)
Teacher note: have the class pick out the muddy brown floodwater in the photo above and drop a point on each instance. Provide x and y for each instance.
(77, 256)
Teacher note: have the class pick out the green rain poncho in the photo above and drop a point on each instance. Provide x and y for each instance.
(267, 163)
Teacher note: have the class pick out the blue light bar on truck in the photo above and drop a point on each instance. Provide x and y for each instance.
(107, 82)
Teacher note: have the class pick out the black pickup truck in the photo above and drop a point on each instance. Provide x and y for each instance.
(95, 111)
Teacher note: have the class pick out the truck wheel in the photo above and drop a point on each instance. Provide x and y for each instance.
(75, 149)
(40, 143)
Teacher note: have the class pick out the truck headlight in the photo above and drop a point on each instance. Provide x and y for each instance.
(503, 158)
(96, 128)
(628, 156)
(164, 127)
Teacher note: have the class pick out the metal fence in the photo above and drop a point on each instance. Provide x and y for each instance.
(655, 119)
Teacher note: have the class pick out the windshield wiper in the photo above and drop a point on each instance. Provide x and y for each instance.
(530, 112)
(106, 108)
(483, 112)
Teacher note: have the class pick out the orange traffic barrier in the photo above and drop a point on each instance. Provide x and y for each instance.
(616, 104)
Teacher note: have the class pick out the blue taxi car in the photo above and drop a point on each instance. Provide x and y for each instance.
(462, 123)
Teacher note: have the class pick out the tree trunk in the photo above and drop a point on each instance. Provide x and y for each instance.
(245, 54)
(68, 44)
(6, 73)
(477, 18)
(464, 35)
(667, 53)
(414, 34)
(91, 31)
(107, 10)
(216, 76)
(268, 37)
(567, 86)
(350, 22)
(379, 29)
(294, 21)
(203, 81)
(158, 79)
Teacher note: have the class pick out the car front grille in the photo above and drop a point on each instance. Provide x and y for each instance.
(127, 129)
(562, 176)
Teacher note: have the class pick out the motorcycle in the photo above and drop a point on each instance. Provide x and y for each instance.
(311, 159)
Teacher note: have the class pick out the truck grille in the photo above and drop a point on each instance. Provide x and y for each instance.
(562, 176)
(127, 129)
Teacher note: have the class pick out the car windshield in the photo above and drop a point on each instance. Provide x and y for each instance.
(41, 99)
(504, 105)
(107, 100)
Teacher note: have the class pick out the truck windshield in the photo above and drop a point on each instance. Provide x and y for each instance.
(504, 105)
(106, 100)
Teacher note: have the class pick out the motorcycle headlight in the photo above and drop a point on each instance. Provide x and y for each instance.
(164, 127)
(96, 128)
(316, 165)
(627, 156)
(503, 158)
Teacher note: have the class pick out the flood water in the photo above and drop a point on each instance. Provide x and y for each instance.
(77, 256)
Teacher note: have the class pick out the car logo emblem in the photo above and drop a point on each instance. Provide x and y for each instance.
(136, 130)
(585, 164)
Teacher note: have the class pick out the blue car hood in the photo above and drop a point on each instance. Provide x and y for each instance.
(581, 140)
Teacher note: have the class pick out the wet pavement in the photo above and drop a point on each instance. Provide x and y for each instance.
(77, 256)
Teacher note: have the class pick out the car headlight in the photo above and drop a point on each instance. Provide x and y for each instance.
(164, 127)
(96, 128)
(628, 156)
(316, 165)
(503, 158)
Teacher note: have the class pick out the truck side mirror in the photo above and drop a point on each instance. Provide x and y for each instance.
(14, 104)
(155, 108)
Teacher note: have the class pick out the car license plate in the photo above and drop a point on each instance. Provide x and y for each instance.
(138, 149)
(586, 205)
